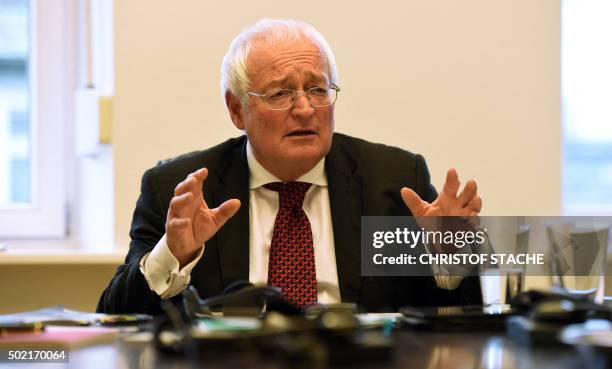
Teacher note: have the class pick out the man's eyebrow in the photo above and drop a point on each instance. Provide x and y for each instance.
(312, 76)
(277, 81)
(317, 77)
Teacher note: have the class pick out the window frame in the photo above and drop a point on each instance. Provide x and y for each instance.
(50, 83)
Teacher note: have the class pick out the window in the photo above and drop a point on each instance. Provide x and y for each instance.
(34, 89)
(587, 106)
(15, 177)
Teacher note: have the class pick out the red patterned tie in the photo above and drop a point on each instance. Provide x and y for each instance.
(292, 266)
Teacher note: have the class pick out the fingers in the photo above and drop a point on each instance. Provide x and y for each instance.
(177, 224)
(188, 196)
(201, 174)
(468, 199)
(468, 193)
(413, 201)
(476, 204)
(193, 183)
(467, 204)
(180, 205)
(225, 211)
(451, 185)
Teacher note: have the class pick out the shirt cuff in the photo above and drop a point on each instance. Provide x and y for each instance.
(161, 270)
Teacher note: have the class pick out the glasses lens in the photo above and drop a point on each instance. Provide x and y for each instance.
(321, 96)
(279, 99)
(318, 96)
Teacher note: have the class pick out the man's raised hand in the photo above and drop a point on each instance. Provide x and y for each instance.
(190, 223)
(449, 203)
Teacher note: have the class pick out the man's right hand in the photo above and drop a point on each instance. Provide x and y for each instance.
(190, 223)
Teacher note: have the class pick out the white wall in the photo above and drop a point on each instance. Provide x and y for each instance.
(472, 84)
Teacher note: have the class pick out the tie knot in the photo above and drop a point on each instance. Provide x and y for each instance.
(290, 194)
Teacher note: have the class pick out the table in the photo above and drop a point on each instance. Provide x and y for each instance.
(431, 350)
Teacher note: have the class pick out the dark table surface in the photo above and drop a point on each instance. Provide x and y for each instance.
(413, 349)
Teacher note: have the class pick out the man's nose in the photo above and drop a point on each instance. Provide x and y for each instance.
(301, 105)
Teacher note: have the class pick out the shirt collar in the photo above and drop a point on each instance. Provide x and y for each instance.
(259, 176)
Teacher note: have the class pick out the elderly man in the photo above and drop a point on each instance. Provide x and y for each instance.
(281, 205)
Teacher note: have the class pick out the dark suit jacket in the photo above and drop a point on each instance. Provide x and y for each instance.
(363, 178)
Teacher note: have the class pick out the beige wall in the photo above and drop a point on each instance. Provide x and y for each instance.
(34, 286)
(471, 84)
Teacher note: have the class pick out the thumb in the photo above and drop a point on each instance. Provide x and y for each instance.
(226, 211)
(413, 201)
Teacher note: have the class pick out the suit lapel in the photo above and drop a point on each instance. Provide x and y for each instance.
(345, 191)
(233, 237)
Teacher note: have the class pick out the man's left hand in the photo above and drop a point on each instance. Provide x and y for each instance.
(449, 203)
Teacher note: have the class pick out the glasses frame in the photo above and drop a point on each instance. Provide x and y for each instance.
(264, 96)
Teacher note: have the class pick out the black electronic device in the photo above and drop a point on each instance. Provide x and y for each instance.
(525, 301)
(238, 299)
(492, 317)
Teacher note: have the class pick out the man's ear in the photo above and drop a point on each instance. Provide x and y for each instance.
(234, 106)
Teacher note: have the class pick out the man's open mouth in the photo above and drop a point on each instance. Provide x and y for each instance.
(302, 133)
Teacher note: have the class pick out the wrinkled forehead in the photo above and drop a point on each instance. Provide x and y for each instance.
(274, 58)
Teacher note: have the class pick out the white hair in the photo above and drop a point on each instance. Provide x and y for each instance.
(234, 74)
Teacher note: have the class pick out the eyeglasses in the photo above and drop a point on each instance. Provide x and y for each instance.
(283, 99)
